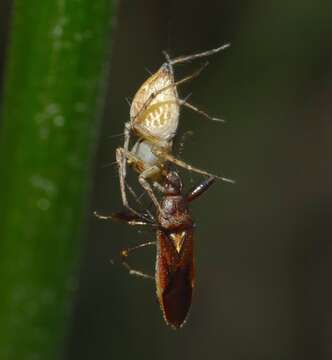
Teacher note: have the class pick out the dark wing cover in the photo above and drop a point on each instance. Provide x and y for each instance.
(175, 281)
(177, 296)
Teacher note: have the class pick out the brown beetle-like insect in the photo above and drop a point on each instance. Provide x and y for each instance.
(174, 226)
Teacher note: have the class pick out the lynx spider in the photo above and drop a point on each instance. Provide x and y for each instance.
(154, 119)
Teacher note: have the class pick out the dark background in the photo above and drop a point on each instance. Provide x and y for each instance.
(263, 246)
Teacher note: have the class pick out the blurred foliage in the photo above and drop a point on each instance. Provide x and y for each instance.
(52, 95)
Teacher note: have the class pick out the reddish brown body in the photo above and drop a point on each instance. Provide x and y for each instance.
(175, 273)
(174, 276)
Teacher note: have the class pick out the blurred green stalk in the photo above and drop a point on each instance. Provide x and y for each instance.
(52, 97)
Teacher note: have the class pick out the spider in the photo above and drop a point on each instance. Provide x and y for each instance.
(154, 119)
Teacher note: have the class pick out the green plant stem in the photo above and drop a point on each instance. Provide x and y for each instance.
(52, 97)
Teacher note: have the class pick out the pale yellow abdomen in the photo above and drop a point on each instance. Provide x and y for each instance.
(155, 108)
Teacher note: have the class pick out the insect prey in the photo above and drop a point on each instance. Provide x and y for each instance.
(174, 230)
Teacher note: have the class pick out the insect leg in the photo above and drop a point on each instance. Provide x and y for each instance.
(182, 59)
(142, 178)
(159, 187)
(194, 108)
(148, 173)
(124, 255)
(130, 219)
(168, 157)
(138, 200)
(121, 158)
(126, 149)
(187, 78)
